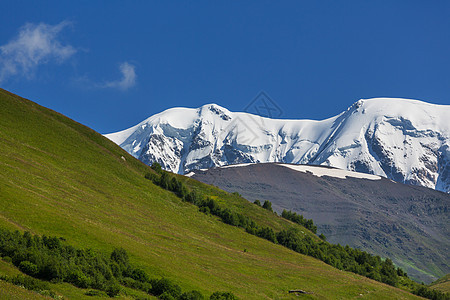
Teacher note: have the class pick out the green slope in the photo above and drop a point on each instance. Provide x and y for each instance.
(442, 284)
(58, 177)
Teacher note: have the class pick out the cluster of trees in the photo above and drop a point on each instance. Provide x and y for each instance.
(51, 259)
(267, 204)
(208, 205)
(292, 216)
(426, 292)
(343, 258)
(48, 258)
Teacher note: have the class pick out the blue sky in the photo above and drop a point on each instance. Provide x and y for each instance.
(111, 64)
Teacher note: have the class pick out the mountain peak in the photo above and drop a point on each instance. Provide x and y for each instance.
(401, 139)
(215, 109)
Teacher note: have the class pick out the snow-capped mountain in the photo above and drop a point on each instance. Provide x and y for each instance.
(404, 140)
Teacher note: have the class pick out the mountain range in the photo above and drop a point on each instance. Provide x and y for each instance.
(406, 223)
(403, 140)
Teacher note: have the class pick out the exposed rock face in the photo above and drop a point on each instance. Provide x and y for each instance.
(404, 140)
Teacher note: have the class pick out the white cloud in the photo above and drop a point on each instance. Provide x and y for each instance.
(128, 77)
(36, 44)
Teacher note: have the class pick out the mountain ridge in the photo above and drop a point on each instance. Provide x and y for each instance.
(403, 222)
(401, 139)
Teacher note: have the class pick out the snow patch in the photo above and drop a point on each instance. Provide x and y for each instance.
(237, 165)
(337, 173)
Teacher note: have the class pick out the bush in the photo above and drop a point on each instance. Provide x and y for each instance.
(267, 205)
(30, 283)
(192, 295)
(112, 289)
(157, 168)
(7, 259)
(165, 285)
(79, 279)
(166, 296)
(28, 268)
(140, 275)
(205, 210)
(96, 293)
(426, 292)
(267, 233)
(134, 284)
(223, 296)
(292, 216)
(120, 256)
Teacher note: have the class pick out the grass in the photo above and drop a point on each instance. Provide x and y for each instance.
(58, 177)
(9, 291)
(442, 284)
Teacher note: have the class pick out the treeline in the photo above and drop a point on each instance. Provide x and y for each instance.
(208, 205)
(426, 292)
(51, 259)
(343, 258)
(292, 216)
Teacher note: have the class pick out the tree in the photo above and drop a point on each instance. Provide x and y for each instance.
(157, 167)
(165, 286)
(28, 268)
(192, 295)
(267, 205)
(388, 272)
(120, 256)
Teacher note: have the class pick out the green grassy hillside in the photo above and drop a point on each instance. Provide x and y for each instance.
(442, 284)
(60, 178)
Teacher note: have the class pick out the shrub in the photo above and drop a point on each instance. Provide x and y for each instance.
(292, 216)
(7, 259)
(267, 205)
(257, 202)
(166, 296)
(223, 296)
(205, 210)
(79, 279)
(165, 285)
(157, 167)
(120, 256)
(96, 293)
(192, 295)
(112, 289)
(30, 283)
(229, 217)
(267, 233)
(138, 285)
(28, 268)
(139, 275)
